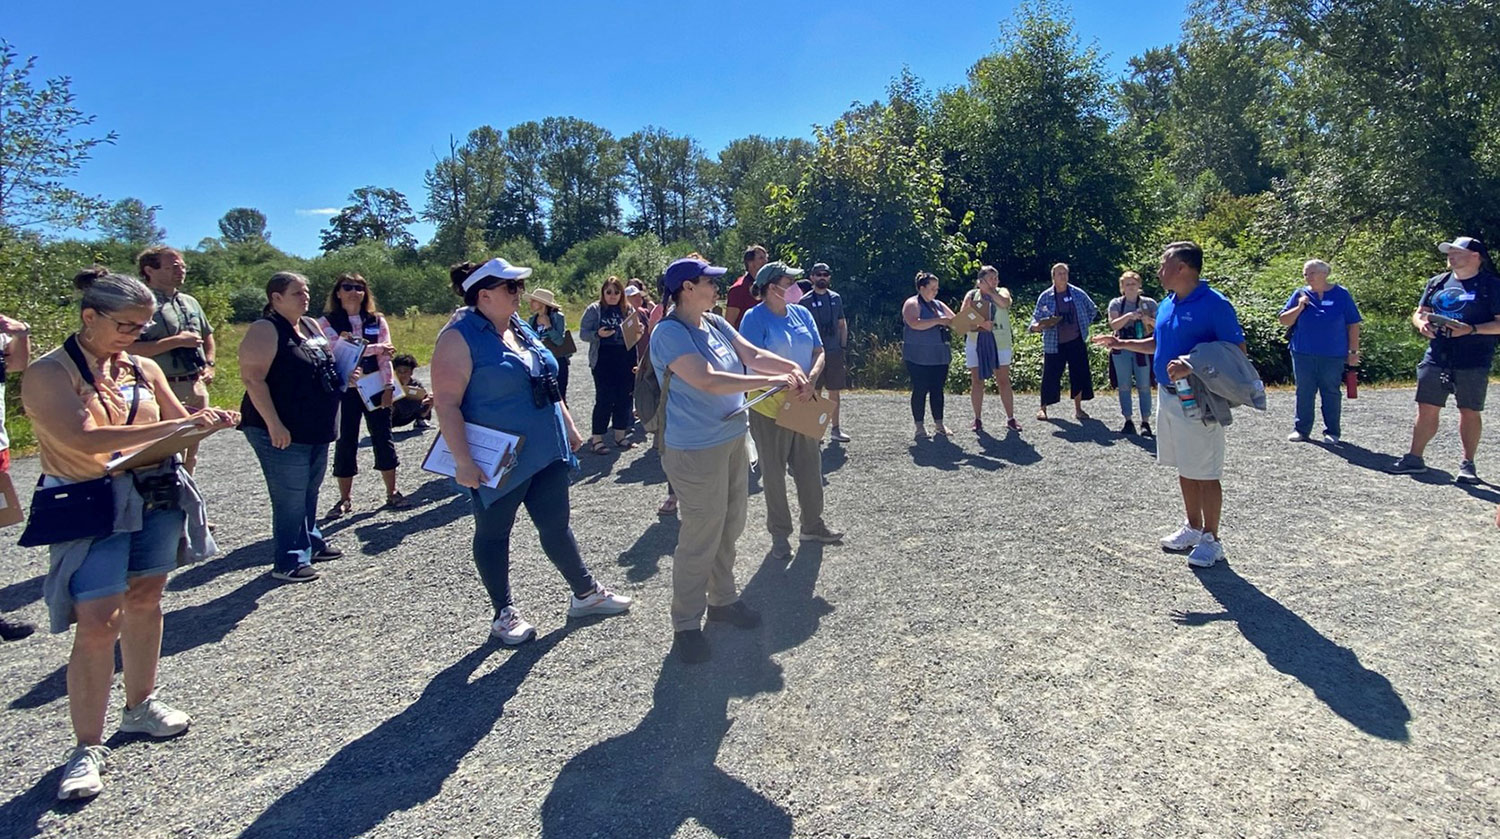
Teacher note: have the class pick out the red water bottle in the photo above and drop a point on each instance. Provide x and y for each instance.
(1351, 382)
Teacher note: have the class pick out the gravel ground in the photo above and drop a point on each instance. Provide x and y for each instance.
(998, 649)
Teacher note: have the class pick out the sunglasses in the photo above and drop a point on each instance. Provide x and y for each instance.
(352, 287)
(512, 286)
(821, 274)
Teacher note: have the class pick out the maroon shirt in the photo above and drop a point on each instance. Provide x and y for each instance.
(741, 298)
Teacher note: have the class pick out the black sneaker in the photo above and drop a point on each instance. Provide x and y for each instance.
(14, 630)
(690, 646)
(736, 613)
(1409, 464)
(1466, 473)
(327, 553)
(1128, 427)
(1146, 429)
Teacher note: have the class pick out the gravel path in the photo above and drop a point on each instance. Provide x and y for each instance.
(999, 649)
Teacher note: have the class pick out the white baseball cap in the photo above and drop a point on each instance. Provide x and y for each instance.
(497, 268)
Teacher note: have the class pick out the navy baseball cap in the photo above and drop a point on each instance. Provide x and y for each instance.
(686, 269)
(1463, 243)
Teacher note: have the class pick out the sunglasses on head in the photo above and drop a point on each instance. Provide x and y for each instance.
(351, 287)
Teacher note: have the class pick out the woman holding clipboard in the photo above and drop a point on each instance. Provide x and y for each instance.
(351, 314)
(88, 400)
(490, 369)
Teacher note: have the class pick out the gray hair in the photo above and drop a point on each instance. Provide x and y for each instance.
(107, 292)
(1319, 266)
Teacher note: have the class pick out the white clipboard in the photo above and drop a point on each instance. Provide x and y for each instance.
(493, 451)
(750, 403)
(346, 355)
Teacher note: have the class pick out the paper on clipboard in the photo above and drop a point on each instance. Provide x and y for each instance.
(346, 355)
(154, 453)
(371, 389)
(753, 401)
(494, 452)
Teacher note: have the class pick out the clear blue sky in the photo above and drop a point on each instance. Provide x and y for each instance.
(287, 107)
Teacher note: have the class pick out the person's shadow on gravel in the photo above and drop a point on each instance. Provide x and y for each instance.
(649, 781)
(940, 452)
(404, 762)
(386, 534)
(182, 629)
(644, 470)
(835, 455)
(24, 593)
(1362, 696)
(1012, 448)
(1085, 431)
(642, 560)
(1364, 458)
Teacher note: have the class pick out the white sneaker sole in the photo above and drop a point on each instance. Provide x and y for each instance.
(514, 640)
(1173, 548)
(79, 792)
(602, 609)
(1199, 563)
(153, 733)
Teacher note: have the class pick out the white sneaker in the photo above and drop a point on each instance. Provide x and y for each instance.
(1182, 539)
(511, 629)
(1208, 551)
(81, 773)
(154, 718)
(601, 602)
(837, 435)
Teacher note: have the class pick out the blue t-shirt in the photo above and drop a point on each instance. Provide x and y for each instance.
(695, 420)
(1323, 327)
(1473, 301)
(793, 337)
(1182, 324)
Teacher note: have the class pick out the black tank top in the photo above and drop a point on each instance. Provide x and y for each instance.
(298, 381)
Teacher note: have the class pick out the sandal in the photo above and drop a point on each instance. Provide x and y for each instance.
(668, 507)
(598, 447)
(1041, 416)
(1081, 415)
(624, 443)
(339, 508)
(397, 501)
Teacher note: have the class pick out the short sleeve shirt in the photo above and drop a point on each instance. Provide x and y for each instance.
(1120, 306)
(740, 298)
(1323, 327)
(827, 310)
(695, 419)
(1183, 323)
(793, 336)
(175, 313)
(1068, 329)
(1473, 301)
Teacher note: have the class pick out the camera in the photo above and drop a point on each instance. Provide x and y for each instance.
(191, 358)
(545, 390)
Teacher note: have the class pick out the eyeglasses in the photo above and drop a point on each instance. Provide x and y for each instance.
(125, 327)
(821, 274)
(352, 287)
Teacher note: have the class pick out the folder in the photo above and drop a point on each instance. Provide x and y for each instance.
(632, 330)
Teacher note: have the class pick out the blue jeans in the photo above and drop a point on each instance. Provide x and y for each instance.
(1128, 374)
(293, 477)
(114, 560)
(1318, 375)
(545, 495)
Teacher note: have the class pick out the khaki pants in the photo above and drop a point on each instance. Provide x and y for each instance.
(713, 487)
(779, 448)
(193, 395)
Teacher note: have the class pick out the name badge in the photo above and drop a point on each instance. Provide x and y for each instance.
(1467, 296)
(1327, 303)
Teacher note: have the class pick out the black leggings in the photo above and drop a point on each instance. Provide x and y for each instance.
(1075, 356)
(927, 382)
(345, 462)
(614, 389)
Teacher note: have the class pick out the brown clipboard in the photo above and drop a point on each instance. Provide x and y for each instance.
(810, 418)
(632, 330)
(10, 504)
(966, 320)
(154, 453)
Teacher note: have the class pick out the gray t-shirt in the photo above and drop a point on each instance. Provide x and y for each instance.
(1120, 306)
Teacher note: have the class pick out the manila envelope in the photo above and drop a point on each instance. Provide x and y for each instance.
(810, 417)
(10, 505)
(966, 320)
(632, 329)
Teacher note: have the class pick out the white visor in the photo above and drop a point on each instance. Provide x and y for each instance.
(496, 267)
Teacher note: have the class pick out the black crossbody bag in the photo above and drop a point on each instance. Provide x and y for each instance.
(82, 510)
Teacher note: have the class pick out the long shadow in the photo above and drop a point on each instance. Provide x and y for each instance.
(24, 593)
(1012, 448)
(380, 536)
(651, 780)
(1085, 431)
(644, 470)
(1375, 461)
(209, 570)
(940, 452)
(404, 761)
(1360, 695)
(20, 817)
(835, 455)
(183, 629)
(642, 560)
(593, 468)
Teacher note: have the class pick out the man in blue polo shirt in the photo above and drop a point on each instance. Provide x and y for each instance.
(1460, 314)
(1192, 314)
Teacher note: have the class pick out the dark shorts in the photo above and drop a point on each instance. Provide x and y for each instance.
(1469, 385)
(835, 376)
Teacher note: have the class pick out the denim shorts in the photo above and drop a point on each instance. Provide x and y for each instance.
(116, 559)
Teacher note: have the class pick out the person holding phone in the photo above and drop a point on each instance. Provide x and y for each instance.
(490, 369)
(351, 313)
(1063, 314)
(613, 365)
(1324, 323)
(925, 350)
(1459, 314)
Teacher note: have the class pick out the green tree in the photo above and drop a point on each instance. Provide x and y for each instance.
(243, 224)
(742, 181)
(375, 214)
(665, 178)
(463, 187)
(132, 222)
(42, 144)
(521, 210)
(582, 166)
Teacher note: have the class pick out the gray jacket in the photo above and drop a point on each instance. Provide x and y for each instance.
(130, 512)
(1223, 378)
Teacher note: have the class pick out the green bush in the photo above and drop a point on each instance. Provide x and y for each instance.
(246, 304)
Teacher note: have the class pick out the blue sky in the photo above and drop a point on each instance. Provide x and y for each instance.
(287, 107)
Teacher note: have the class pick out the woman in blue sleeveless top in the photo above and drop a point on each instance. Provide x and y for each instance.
(924, 348)
(490, 369)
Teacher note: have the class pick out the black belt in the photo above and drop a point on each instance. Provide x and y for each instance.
(191, 377)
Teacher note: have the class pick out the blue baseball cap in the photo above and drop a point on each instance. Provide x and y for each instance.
(687, 269)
